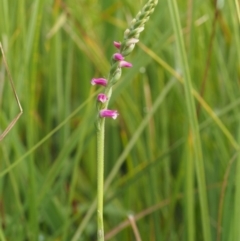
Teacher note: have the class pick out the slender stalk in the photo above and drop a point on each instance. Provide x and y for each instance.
(235, 234)
(100, 169)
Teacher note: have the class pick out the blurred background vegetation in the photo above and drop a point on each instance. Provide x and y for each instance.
(48, 160)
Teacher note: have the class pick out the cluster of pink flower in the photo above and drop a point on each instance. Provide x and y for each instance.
(103, 82)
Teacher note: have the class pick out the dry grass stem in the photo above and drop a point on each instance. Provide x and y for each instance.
(13, 122)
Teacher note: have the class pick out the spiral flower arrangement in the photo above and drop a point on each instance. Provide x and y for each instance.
(124, 48)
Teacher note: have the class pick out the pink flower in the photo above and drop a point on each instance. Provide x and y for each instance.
(117, 45)
(125, 64)
(99, 81)
(102, 98)
(109, 113)
(118, 57)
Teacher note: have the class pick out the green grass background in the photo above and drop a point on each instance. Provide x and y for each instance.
(172, 156)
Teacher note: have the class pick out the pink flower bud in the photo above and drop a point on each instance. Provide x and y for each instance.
(125, 64)
(99, 81)
(117, 45)
(118, 57)
(109, 113)
(102, 98)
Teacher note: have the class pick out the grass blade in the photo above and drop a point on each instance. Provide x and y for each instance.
(192, 118)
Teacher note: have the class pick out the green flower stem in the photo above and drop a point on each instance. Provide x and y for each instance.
(100, 169)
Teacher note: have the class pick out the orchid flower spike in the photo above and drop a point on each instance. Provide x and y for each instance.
(102, 98)
(109, 113)
(99, 81)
